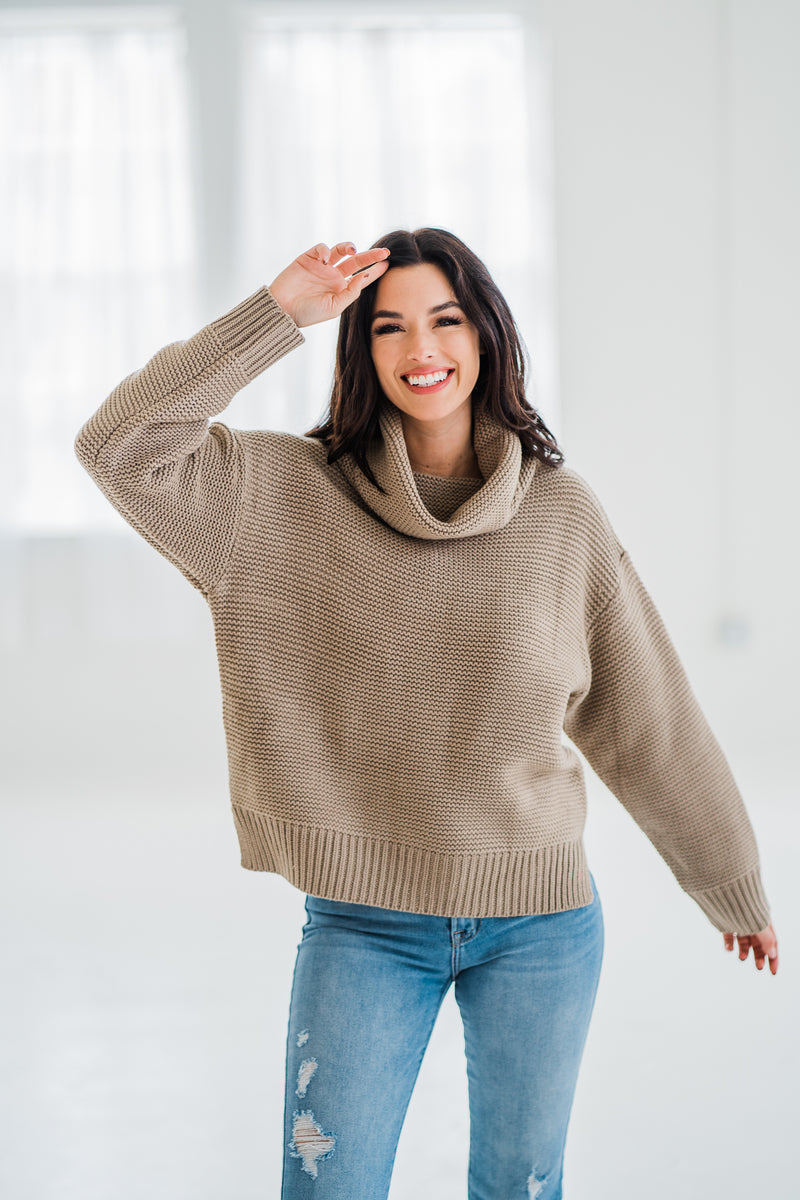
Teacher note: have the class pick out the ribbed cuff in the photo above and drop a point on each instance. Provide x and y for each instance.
(737, 907)
(258, 331)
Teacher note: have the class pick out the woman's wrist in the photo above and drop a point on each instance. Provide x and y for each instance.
(278, 294)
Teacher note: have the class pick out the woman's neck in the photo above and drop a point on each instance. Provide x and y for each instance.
(444, 450)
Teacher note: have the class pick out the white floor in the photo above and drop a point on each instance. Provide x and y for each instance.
(145, 980)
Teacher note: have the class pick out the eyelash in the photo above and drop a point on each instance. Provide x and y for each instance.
(442, 320)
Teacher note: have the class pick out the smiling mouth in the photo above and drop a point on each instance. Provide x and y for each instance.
(430, 381)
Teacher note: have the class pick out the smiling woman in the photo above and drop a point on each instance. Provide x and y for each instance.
(397, 680)
(435, 339)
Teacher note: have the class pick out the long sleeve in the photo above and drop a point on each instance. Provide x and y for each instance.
(149, 447)
(641, 729)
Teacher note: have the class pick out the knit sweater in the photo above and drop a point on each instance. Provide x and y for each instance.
(398, 671)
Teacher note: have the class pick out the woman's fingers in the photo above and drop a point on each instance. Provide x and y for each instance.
(763, 944)
(760, 953)
(343, 255)
(366, 258)
(343, 248)
(338, 252)
(320, 251)
(364, 277)
(323, 280)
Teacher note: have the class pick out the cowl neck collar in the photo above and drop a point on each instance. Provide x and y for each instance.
(507, 477)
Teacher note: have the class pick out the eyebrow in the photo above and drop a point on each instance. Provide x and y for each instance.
(384, 312)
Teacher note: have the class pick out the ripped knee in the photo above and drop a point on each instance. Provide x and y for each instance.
(309, 1143)
(535, 1185)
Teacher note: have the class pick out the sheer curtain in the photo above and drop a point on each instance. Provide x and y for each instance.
(347, 123)
(356, 124)
(98, 255)
(118, 127)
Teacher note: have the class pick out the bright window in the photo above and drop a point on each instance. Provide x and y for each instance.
(98, 251)
(160, 163)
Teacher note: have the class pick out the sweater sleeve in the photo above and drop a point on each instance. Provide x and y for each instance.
(641, 729)
(149, 447)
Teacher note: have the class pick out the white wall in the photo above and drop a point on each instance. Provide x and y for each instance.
(678, 185)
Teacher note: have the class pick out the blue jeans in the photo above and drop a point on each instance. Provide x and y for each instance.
(368, 984)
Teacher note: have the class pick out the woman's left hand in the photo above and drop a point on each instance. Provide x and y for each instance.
(763, 944)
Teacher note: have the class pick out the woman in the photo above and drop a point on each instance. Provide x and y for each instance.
(411, 603)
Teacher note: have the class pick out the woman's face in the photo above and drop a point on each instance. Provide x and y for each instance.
(426, 353)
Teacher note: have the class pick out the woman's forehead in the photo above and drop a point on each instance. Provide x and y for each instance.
(421, 284)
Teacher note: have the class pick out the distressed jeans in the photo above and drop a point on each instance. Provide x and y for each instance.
(368, 984)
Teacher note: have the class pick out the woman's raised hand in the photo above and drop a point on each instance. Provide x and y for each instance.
(763, 944)
(320, 283)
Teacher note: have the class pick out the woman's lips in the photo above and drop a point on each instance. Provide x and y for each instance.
(433, 387)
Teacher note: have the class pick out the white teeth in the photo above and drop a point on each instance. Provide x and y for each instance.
(427, 380)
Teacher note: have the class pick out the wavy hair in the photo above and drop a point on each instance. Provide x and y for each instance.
(351, 421)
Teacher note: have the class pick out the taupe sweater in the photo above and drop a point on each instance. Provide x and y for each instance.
(397, 671)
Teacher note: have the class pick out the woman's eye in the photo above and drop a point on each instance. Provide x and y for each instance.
(379, 329)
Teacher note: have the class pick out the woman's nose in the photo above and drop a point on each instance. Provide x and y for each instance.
(420, 344)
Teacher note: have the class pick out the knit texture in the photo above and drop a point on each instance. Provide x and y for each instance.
(398, 671)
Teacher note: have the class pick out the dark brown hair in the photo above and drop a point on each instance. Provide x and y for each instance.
(352, 417)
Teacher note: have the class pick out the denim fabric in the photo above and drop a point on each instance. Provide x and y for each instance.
(368, 984)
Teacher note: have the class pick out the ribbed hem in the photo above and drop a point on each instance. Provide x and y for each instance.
(737, 907)
(359, 870)
(258, 331)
